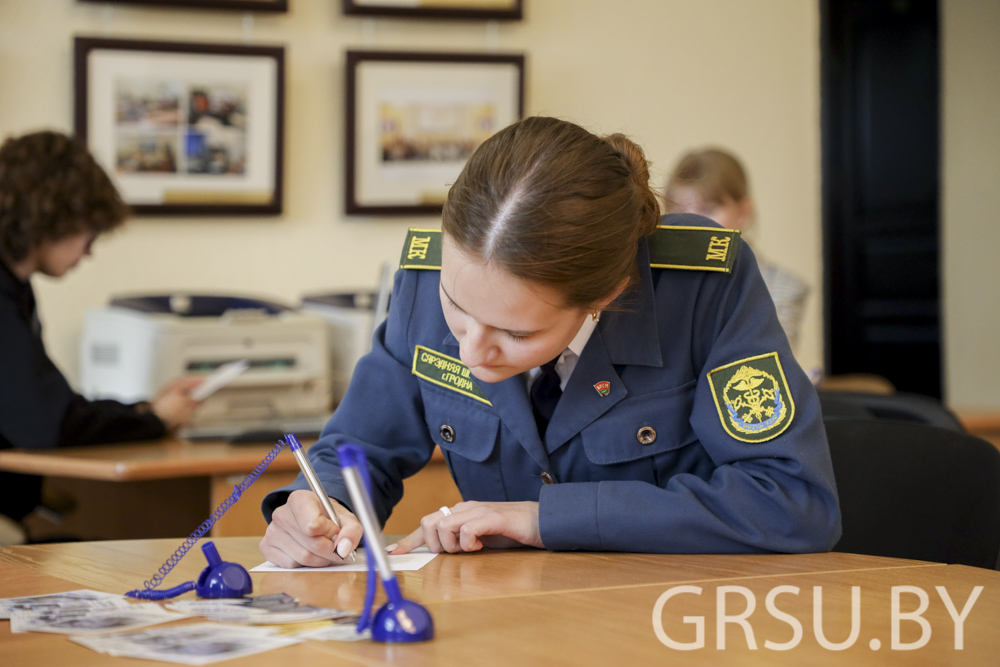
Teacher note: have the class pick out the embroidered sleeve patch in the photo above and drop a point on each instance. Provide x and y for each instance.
(447, 372)
(752, 398)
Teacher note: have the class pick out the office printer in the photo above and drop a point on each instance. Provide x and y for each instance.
(352, 318)
(135, 346)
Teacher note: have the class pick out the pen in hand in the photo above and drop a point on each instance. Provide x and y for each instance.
(317, 487)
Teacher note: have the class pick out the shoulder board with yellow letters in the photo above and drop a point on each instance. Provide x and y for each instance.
(670, 247)
(422, 250)
(694, 248)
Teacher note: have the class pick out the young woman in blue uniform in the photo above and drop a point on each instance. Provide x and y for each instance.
(684, 423)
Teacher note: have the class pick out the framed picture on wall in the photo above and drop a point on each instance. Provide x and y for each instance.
(184, 128)
(413, 119)
(507, 10)
(237, 5)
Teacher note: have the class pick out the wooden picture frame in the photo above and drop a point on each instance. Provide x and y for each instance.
(278, 6)
(184, 128)
(414, 118)
(502, 10)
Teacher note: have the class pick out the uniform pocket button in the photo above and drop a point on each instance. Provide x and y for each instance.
(548, 479)
(447, 433)
(646, 435)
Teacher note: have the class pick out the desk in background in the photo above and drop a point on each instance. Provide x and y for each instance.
(169, 487)
(528, 607)
(985, 425)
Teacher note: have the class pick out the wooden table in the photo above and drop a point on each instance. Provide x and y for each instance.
(985, 425)
(528, 607)
(175, 484)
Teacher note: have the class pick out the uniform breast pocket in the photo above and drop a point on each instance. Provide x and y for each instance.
(467, 434)
(640, 435)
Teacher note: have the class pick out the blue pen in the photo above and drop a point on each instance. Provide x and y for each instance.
(398, 620)
(317, 486)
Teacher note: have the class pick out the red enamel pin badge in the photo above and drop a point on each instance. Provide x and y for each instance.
(603, 388)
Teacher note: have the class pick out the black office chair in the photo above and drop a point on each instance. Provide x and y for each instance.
(916, 491)
(900, 406)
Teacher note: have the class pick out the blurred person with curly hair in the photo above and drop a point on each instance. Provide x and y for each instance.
(55, 200)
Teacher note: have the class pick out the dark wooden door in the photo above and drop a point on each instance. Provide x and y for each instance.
(880, 122)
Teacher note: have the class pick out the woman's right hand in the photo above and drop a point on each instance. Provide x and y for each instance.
(300, 534)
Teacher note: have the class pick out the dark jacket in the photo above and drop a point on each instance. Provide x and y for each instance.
(38, 408)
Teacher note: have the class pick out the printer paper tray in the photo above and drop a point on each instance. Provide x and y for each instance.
(263, 430)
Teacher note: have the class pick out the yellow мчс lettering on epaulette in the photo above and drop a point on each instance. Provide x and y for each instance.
(422, 250)
(718, 248)
(418, 247)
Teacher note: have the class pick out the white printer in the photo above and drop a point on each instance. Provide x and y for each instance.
(352, 318)
(135, 346)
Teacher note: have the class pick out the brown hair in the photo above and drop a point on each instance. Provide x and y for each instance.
(551, 203)
(717, 176)
(51, 187)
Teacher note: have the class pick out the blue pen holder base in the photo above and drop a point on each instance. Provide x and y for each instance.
(402, 621)
(221, 579)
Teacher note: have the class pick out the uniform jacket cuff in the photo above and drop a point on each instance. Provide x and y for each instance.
(568, 517)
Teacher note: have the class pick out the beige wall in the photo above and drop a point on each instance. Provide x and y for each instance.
(971, 206)
(671, 73)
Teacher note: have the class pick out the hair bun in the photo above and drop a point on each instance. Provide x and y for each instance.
(633, 156)
(638, 168)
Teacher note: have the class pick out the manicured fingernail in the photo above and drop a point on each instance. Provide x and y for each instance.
(392, 547)
(344, 548)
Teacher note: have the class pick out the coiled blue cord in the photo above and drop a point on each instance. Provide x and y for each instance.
(148, 593)
(165, 594)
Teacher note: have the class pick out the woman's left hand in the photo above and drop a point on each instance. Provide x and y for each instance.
(473, 525)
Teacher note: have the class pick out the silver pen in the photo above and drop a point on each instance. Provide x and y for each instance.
(317, 486)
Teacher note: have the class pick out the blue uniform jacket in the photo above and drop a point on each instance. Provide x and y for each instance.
(693, 489)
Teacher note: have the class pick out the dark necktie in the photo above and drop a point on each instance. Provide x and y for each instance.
(545, 393)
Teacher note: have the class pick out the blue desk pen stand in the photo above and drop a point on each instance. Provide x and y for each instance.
(398, 620)
(219, 579)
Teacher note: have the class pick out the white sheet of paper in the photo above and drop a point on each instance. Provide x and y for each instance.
(219, 378)
(402, 563)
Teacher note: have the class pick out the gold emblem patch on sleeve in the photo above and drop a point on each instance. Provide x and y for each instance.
(752, 398)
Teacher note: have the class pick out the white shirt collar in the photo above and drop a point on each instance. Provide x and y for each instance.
(582, 336)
